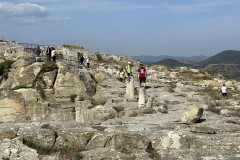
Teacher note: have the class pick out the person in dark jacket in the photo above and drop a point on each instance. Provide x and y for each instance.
(38, 51)
(81, 59)
(48, 53)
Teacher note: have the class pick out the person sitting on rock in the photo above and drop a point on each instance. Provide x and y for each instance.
(122, 75)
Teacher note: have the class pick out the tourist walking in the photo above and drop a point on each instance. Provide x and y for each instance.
(128, 68)
(130, 76)
(88, 62)
(53, 54)
(122, 75)
(48, 53)
(81, 59)
(224, 91)
(38, 51)
(142, 74)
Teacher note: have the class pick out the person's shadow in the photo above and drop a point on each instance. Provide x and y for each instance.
(147, 87)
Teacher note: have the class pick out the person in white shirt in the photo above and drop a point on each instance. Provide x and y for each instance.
(224, 90)
(53, 54)
(88, 62)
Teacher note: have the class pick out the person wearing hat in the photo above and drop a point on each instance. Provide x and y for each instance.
(128, 68)
(142, 74)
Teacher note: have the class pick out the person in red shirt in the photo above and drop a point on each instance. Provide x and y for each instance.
(142, 74)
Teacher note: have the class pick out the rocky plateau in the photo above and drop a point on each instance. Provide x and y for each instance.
(57, 111)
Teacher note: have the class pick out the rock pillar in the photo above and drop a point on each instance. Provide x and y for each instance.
(149, 103)
(142, 97)
(127, 90)
(130, 95)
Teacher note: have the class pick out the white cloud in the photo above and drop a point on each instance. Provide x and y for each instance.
(164, 6)
(93, 5)
(26, 12)
(10, 10)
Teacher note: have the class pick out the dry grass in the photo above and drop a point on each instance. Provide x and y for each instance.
(172, 85)
(210, 92)
(196, 77)
(214, 83)
(73, 46)
(96, 102)
(118, 108)
(160, 68)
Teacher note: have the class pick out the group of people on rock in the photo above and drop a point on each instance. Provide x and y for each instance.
(81, 60)
(124, 74)
(141, 74)
(51, 54)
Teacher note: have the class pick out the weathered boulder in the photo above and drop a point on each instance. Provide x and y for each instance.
(95, 115)
(70, 82)
(15, 149)
(44, 138)
(11, 106)
(49, 78)
(124, 142)
(22, 77)
(8, 132)
(193, 114)
(203, 129)
(73, 138)
(100, 76)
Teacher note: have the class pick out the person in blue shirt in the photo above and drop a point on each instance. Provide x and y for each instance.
(130, 76)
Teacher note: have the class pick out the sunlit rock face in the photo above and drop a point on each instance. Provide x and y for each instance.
(61, 111)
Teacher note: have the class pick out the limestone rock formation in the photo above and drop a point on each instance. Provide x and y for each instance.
(54, 111)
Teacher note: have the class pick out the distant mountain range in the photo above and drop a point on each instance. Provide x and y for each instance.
(226, 63)
(225, 57)
(150, 59)
(171, 63)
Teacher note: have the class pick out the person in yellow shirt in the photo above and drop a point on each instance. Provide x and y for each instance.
(128, 68)
(122, 75)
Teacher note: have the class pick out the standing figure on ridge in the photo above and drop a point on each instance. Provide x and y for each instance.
(142, 74)
(88, 62)
(38, 51)
(128, 68)
(53, 54)
(224, 91)
(81, 59)
(48, 53)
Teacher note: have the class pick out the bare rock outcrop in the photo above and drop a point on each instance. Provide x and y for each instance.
(68, 112)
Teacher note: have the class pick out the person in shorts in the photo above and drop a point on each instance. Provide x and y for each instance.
(142, 74)
(224, 91)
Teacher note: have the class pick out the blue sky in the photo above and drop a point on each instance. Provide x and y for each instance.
(126, 27)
